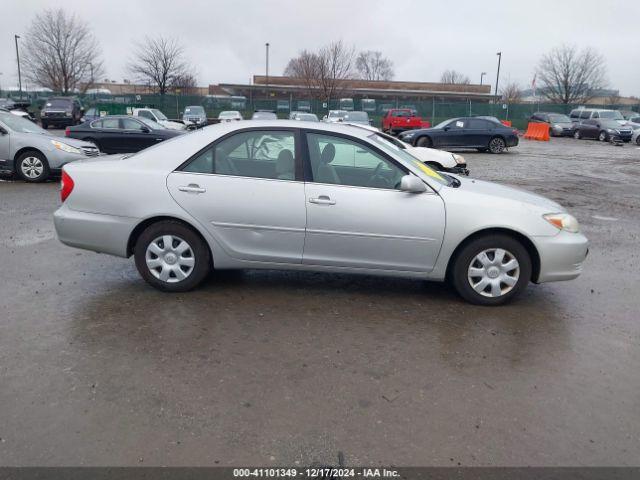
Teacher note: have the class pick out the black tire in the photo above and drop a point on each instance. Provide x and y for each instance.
(32, 166)
(198, 251)
(577, 135)
(497, 145)
(424, 142)
(45, 125)
(638, 140)
(603, 136)
(459, 272)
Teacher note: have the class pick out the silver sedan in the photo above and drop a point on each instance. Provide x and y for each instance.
(321, 197)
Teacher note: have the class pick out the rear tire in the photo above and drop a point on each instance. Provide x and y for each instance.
(424, 142)
(491, 279)
(45, 125)
(172, 257)
(638, 140)
(32, 167)
(497, 145)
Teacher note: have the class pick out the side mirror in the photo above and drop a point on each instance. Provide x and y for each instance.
(446, 129)
(145, 130)
(412, 184)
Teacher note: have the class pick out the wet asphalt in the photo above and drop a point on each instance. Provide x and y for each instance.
(275, 368)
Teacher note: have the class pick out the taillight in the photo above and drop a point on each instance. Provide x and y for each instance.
(67, 132)
(66, 186)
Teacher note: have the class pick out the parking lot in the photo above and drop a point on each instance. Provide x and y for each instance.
(275, 368)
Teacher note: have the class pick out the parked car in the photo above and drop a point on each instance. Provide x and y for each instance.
(357, 118)
(61, 112)
(636, 136)
(91, 114)
(464, 132)
(334, 116)
(158, 117)
(122, 133)
(229, 116)
(194, 116)
(629, 114)
(18, 113)
(579, 115)
(264, 115)
(399, 120)
(34, 154)
(280, 194)
(304, 116)
(603, 129)
(560, 125)
(634, 122)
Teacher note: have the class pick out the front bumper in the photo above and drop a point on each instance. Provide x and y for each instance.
(563, 131)
(512, 141)
(561, 256)
(58, 121)
(93, 231)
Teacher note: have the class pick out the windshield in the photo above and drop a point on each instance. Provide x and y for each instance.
(557, 118)
(609, 123)
(393, 150)
(19, 124)
(230, 114)
(151, 123)
(392, 140)
(307, 117)
(613, 114)
(264, 116)
(357, 117)
(59, 103)
(159, 115)
(194, 111)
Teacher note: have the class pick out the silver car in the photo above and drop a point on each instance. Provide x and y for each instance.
(283, 194)
(33, 153)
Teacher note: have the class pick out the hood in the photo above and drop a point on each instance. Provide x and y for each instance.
(512, 194)
(424, 154)
(73, 142)
(173, 125)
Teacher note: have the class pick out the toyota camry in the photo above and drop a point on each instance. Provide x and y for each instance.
(278, 194)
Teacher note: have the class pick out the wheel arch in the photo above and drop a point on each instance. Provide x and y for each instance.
(140, 227)
(25, 150)
(526, 242)
(424, 135)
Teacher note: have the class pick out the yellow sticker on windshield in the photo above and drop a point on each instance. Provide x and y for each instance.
(428, 171)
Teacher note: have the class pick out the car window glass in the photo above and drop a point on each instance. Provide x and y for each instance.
(261, 154)
(476, 123)
(596, 115)
(110, 123)
(456, 124)
(146, 114)
(340, 161)
(130, 124)
(585, 114)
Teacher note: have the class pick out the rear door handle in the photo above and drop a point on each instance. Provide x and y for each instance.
(192, 188)
(322, 200)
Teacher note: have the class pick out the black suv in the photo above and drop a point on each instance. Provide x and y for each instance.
(61, 112)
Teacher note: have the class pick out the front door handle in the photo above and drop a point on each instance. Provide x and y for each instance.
(192, 188)
(322, 200)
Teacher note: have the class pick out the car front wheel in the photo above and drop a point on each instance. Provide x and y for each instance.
(491, 270)
(497, 145)
(638, 140)
(577, 135)
(32, 167)
(603, 136)
(424, 142)
(171, 257)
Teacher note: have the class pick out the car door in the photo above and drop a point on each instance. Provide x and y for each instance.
(136, 136)
(476, 133)
(107, 133)
(5, 147)
(452, 135)
(356, 215)
(246, 189)
(589, 128)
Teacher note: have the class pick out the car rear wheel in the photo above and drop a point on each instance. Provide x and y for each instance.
(603, 136)
(638, 140)
(577, 135)
(171, 257)
(497, 145)
(491, 270)
(33, 167)
(45, 125)
(424, 142)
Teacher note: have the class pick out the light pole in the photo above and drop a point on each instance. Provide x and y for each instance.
(92, 86)
(499, 54)
(267, 68)
(482, 75)
(18, 58)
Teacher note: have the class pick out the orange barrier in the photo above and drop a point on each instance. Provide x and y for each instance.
(506, 122)
(537, 131)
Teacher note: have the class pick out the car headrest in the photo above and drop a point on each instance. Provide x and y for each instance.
(285, 162)
(328, 152)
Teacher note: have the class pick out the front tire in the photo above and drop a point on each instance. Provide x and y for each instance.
(577, 135)
(638, 140)
(45, 125)
(603, 137)
(424, 142)
(171, 257)
(497, 145)
(491, 270)
(33, 167)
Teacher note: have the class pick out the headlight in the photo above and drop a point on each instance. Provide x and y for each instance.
(557, 125)
(65, 148)
(458, 158)
(563, 221)
(68, 114)
(611, 130)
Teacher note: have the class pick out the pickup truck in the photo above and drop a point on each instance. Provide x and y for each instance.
(398, 120)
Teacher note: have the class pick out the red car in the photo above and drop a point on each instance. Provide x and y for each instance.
(399, 120)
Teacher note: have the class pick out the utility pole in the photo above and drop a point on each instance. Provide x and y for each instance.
(18, 57)
(482, 75)
(499, 54)
(267, 68)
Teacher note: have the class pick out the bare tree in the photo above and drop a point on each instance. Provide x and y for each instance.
(371, 65)
(324, 73)
(159, 62)
(452, 76)
(61, 52)
(614, 97)
(571, 76)
(186, 82)
(511, 93)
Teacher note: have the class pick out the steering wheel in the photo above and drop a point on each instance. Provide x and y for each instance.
(376, 177)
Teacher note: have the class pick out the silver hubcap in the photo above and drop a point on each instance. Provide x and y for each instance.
(170, 259)
(497, 145)
(493, 272)
(603, 136)
(32, 167)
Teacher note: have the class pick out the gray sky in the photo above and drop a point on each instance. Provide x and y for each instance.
(225, 39)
